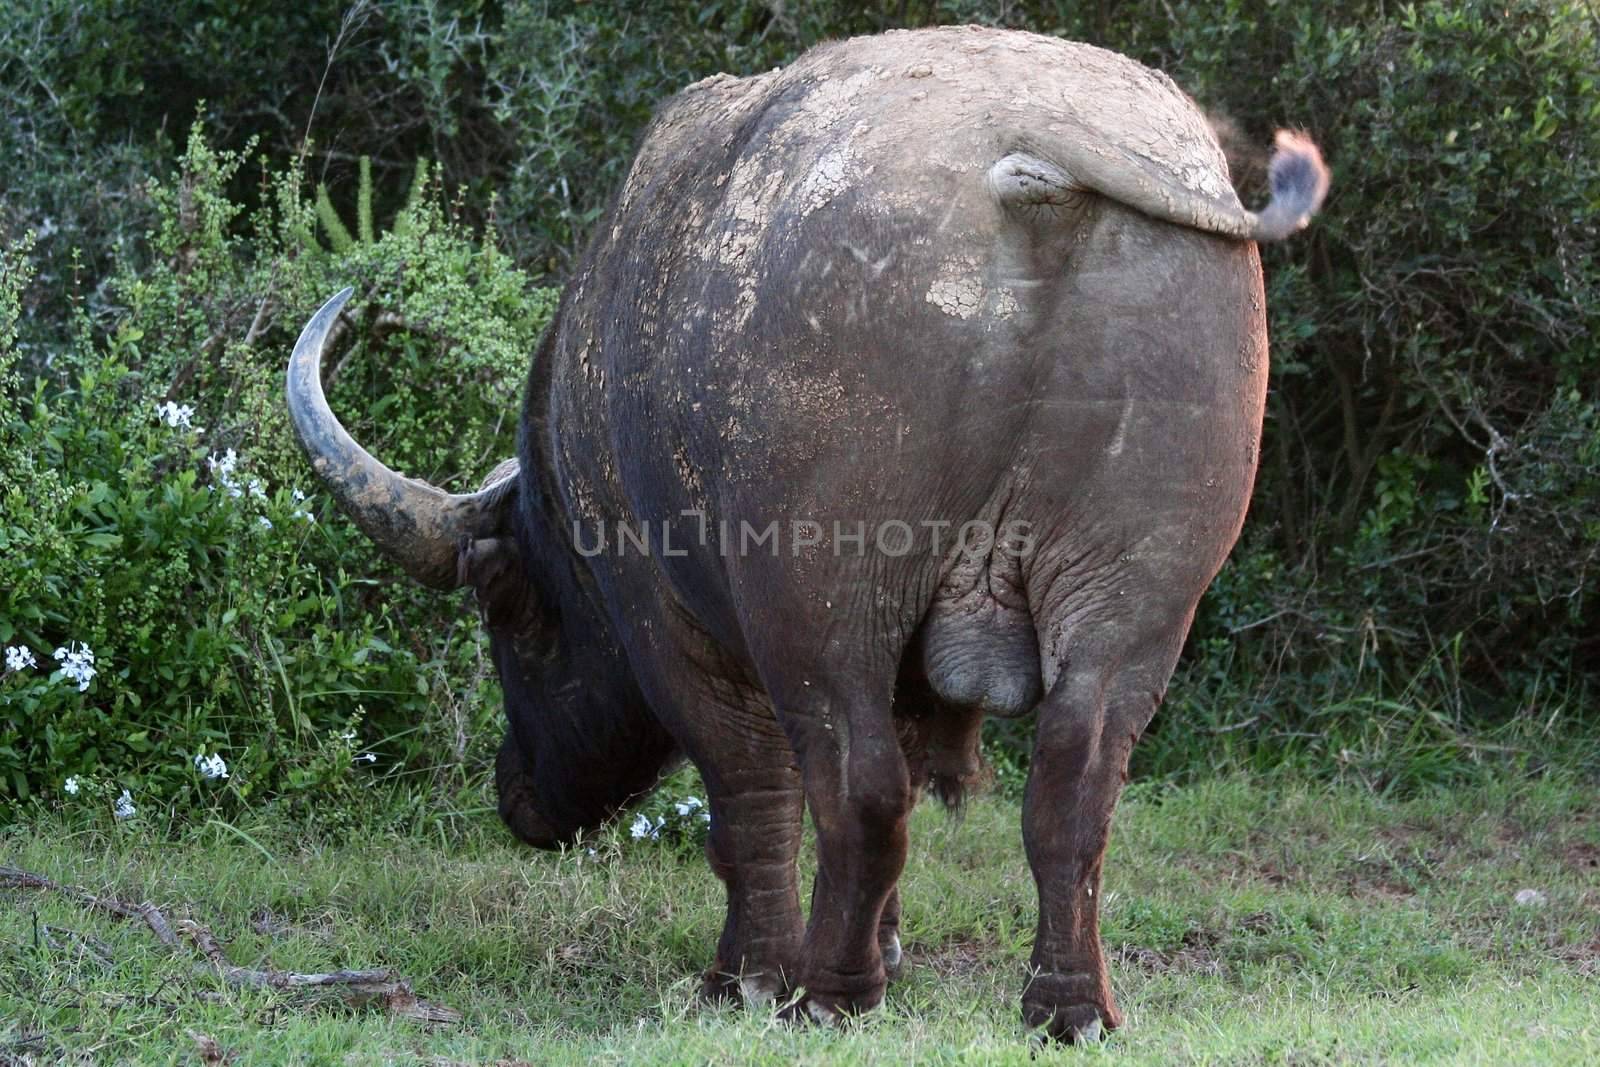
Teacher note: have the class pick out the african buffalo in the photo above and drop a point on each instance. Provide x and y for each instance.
(918, 381)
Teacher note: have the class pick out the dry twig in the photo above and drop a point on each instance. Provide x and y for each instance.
(13, 878)
(379, 985)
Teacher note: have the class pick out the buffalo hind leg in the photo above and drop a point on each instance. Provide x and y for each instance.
(859, 792)
(1088, 724)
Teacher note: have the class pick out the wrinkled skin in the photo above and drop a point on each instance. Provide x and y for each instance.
(851, 291)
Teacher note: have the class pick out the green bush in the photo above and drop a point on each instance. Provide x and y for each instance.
(1421, 556)
(1419, 566)
(157, 513)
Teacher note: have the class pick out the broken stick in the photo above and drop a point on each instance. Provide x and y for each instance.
(357, 987)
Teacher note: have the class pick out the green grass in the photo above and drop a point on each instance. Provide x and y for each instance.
(1248, 920)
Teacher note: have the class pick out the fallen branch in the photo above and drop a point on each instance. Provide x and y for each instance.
(14, 878)
(356, 987)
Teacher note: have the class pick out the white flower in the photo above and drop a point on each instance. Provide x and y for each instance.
(211, 766)
(264, 521)
(643, 828)
(365, 757)
(302, 512)
(18, 657)
(124, 809)
(77, 663)
(177, 416)
(348, 735)
(256, 490)
(71, 786)
(688, 805)
(223, 467)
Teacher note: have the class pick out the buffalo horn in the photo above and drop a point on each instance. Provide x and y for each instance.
(416, 524)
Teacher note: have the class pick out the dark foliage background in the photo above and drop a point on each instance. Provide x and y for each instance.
(1415, 592)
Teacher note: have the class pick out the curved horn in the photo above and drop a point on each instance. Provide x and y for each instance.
(417, 525)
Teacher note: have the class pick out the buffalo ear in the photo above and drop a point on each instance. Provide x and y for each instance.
(492, 566)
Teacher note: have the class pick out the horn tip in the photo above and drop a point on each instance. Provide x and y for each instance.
(337, 301)
(309, 346)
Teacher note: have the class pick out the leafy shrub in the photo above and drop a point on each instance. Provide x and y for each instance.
(1420, 561)
(157, 512)
(1421, 555)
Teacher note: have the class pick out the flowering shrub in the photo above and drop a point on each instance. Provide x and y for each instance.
(673, 815)
(219, 633)
(1423, 548)
(211, 766)
(77, 664)
(177, 416)
(124, 807)
(684, 819)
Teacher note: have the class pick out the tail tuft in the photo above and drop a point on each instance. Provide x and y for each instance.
(950, 790)
(1299, 181)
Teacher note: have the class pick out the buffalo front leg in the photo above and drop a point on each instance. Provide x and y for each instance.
(729, 731)
(1088, 724)
(754, 839)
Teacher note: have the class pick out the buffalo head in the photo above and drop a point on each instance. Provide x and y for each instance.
(571, 709)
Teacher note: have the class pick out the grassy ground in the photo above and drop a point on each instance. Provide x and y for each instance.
(1248, 921)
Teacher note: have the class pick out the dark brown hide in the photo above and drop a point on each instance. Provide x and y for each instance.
(916, 282)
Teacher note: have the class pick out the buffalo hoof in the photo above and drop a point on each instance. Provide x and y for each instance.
(752, 990)
(893, 957)
(831, 1009)
(1074, 1024)
(1050, 1007)
(809, 1011)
